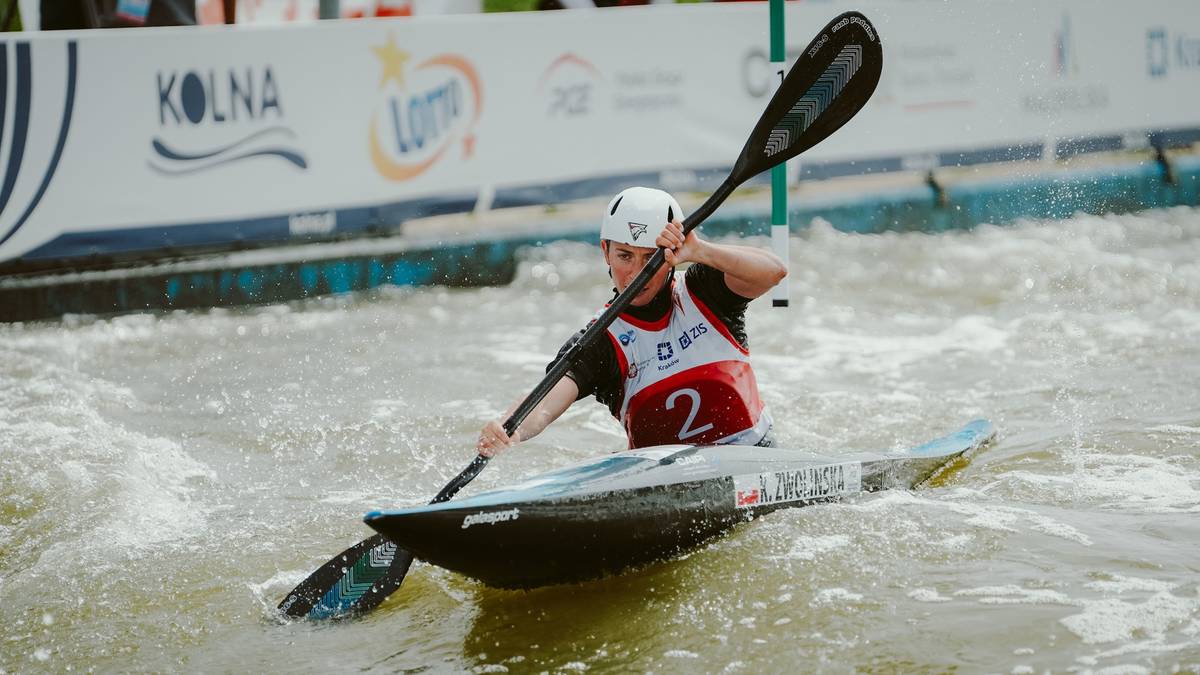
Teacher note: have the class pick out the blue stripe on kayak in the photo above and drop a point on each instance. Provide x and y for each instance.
(970, 436)
(547, 485)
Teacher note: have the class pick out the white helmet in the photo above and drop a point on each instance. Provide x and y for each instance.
(637, 214)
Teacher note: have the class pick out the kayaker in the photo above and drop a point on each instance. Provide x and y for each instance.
(675, 367)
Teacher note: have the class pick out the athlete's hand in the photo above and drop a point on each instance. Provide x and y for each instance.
(493, 439)
(679, 249)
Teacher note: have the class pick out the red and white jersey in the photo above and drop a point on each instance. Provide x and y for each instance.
(686, 379)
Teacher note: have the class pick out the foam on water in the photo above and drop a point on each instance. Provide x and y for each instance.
(1110, 620)
(927, 595)
(1132, 483)
(123, 492)
(811, 548)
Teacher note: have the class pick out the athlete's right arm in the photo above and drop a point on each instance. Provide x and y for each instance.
(493, 439)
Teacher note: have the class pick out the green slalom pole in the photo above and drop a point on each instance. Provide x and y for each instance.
(779, 199)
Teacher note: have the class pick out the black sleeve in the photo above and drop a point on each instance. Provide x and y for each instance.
(596, 371)
(708, 283)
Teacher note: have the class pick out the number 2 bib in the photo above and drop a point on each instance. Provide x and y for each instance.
(686, 379)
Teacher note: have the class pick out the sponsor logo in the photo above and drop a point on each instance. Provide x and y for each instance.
(572, 87)
(648, 91)
(1187, 52)
(759, 75)
(569, 84)
(857, 21)
(637, 230)
(635, 369)
(241, 107)
(1161, 46)
(628, 337)
(1069, 95)
(490, 517)
(425, 114)
(810, 482)
(312, 223)
(820, 43)
(691, 334)
(665, 351)
(690, 459)
(1065, 62)
(1157, 56)
(1066, 99)
(32, 150)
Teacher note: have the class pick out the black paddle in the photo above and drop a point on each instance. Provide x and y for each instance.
(830, 82)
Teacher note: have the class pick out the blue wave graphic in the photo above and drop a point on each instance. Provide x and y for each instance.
(191, 162)
(21, 123)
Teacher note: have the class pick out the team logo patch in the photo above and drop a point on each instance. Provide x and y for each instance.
(637, 230)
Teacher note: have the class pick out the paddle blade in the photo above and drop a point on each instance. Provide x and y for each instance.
(355, 580)
(364, 575)
(830, 82)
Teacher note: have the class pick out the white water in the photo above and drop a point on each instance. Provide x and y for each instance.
(165, 479)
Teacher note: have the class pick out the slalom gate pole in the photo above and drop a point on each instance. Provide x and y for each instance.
(779, 196)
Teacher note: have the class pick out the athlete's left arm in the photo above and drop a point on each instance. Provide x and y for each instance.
(749, 272)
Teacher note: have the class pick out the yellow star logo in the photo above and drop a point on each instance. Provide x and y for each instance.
(393, 59)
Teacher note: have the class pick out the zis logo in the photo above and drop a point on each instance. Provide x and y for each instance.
(424, 113)
(692, 334)
(241, 106)
(39, 124)
(637, 230)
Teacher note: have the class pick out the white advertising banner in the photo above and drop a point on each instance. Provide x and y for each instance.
(127, 141)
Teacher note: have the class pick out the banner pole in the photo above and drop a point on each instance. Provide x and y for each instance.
(779, 197)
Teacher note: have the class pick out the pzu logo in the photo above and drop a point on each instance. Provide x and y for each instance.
(665, 351)
(627, 338)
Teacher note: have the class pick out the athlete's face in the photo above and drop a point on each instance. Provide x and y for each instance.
(626, 261)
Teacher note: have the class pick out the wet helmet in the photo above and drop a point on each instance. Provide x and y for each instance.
(637, 214)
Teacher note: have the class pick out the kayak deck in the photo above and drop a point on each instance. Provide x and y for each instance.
(606, 514)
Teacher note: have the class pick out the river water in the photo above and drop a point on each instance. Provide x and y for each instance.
(165, 479)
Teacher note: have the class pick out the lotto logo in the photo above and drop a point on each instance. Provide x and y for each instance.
(665, 351)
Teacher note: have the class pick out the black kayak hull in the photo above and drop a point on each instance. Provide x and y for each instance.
(627, 509)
